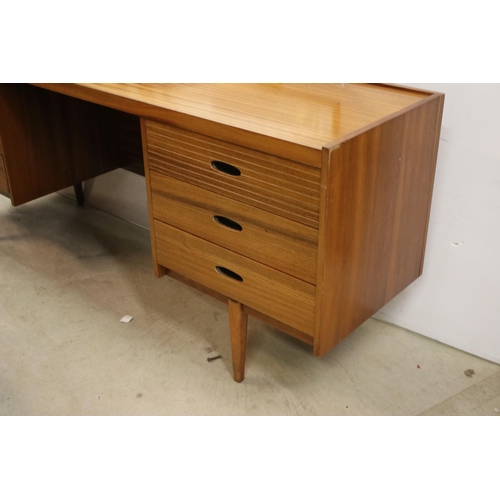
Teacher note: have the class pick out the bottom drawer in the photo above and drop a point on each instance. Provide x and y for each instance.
(4, 187)
(255, 285)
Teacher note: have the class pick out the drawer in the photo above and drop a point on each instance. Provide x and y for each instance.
(4, 186)
(273, 184)
(260, 287)
(273, 240)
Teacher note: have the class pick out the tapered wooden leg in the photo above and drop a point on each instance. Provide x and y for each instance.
(79, 193)
(238, 321)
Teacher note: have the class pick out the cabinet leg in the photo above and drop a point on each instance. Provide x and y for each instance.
(238, 321)
(79, 193)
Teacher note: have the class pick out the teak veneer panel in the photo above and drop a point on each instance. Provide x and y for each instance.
(307, 339)
(273, 184)
(275, 294)
(375, 213)
(293, 121)
(50, 141)
(275, 241)
(4, 185)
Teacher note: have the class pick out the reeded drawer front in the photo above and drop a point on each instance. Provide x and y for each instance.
(260, 287)
(272, 184)
(273, 240)
(4, 187)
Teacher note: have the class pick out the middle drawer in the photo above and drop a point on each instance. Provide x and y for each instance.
(280, 243)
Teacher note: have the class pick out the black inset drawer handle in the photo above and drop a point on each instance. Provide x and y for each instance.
(225, 168)
(229, 223)
(227, 272)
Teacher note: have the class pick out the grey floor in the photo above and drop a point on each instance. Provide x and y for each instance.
(68, 275)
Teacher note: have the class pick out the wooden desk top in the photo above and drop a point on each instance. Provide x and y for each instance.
(272, 117)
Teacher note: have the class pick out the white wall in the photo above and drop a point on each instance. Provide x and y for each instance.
(120, 193)
(457, 300)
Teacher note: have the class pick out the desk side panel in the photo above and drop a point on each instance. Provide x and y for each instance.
(51, 141)
(377, 189)
(159, 270)
(4, 184)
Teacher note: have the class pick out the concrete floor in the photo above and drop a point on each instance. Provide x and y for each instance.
(67, 276)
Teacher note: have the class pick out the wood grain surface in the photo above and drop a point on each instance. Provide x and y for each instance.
(238, 322)
(4, 185)
(273, 184)
(123, 134)
(158, 270)
(280, 243)
(375, 211)
(50, 141)
(289, 300)
(307, 339)
(290, 120)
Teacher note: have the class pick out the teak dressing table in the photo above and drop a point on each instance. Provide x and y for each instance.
(304, 205)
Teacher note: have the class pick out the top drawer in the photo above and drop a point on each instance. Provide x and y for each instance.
(267, 182)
